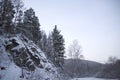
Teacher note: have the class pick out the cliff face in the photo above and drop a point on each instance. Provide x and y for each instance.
(20, 58)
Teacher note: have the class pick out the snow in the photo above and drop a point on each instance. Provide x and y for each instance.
(92, 78)
(13, 72)
(13, 69)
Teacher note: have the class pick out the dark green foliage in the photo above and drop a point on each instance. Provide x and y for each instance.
(49, 48)
(30, 18)
(6, 15)
(58, 47)
(43, 42)
(31, 24)
(19, 19)
(18, 7)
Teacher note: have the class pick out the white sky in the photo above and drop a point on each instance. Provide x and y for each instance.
(94, 23)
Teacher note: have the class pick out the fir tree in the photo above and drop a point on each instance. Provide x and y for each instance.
(6, 15)
(18, 7)
(43, 43)
(32, 25)
(49, 48)
(19, 19)
(58, 47)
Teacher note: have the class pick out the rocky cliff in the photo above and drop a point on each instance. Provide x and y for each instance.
(21, 59)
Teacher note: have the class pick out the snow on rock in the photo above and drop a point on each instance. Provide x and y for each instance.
(21, 59)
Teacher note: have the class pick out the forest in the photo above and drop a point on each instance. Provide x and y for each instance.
(28, 53)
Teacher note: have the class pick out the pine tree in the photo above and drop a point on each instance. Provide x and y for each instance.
(19, 19)
(58, 47)
(32, 25)
(49, 48)
(18, 7)
(6, 15)
(43, 43)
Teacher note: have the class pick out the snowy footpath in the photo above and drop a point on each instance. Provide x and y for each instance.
(92, 79)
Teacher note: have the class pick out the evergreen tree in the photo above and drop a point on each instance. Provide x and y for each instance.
(19, 19)
(49, 48)
(18, 7)
(6, 15)
(32, 25)
(58, 47)
(19, 26)
(43, 43)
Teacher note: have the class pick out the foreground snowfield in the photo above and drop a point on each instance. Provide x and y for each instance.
(91, 79)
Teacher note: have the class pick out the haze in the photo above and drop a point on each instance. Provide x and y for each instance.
(94, 23)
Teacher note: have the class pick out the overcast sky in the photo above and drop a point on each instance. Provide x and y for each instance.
(94, 23)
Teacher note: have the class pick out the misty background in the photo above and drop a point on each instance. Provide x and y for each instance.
(95, 24)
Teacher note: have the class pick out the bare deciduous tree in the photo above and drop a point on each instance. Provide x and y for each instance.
(74, 50)
(112, 59)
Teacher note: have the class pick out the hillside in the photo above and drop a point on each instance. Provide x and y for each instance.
(91, 78)
(82, 68)
(20, 59)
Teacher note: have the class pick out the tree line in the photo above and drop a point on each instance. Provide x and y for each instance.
(14, 19)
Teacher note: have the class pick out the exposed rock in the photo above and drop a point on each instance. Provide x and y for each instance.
(21, 58)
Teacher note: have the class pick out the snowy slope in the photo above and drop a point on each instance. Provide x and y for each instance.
(91, 79)
(18, 56)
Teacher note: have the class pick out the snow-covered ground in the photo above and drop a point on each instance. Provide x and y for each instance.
(10, 71)
(92, 79)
